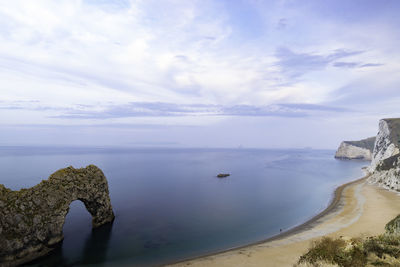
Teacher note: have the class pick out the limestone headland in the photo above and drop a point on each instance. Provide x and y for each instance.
(362, 149)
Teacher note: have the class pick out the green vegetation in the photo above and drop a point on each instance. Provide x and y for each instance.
(367, 143)
(382, 250)
(394, 125)
(335, 251)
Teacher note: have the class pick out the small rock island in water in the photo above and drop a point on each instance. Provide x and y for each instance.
(31, 220)
(223, 175)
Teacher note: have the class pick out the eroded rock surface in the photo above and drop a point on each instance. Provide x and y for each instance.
(393, 227)
(31, 220)
(387, 173)
(385, 164)
(356, 149)
(387, 141)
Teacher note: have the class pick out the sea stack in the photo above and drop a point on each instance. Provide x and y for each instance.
(31, 220)
(362, 149)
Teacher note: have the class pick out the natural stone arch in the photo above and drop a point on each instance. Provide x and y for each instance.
(31, 220)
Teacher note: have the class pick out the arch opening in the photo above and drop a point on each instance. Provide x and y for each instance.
(78, 219)
(76, 230)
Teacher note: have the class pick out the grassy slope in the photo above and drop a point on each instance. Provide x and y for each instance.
(365, 143)
(382, 250)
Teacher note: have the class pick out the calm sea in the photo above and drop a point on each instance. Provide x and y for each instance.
(169, 205)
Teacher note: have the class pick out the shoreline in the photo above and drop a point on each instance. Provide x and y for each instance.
(333, 206)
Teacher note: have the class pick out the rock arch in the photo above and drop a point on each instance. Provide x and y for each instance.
(31, 220)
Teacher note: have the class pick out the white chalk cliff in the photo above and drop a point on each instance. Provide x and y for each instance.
(356, 149)
(387, 141)
(385, 164)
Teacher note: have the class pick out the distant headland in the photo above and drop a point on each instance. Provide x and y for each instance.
(356, 149)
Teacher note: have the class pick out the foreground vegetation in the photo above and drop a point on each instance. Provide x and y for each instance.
(382, 250)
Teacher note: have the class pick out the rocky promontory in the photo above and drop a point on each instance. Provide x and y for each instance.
(385, 164)
(362, 149)
(387, 141)
(383, 151)
(31, 220)
(385, 161)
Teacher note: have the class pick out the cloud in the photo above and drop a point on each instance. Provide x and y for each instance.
(374, 93)
(148, 62)
(342, 53)
(315, 107)
(34, 105)
(371, 65)
(106, 4)
(346, 64)
(295, 65)
(355, 65)
(141, 126)
(282, 24)
(159, 109)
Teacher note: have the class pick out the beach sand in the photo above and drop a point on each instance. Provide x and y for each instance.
(358, 209)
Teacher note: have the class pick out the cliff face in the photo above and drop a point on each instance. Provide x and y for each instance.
(356, 149)
(387, 141)
(387, 173)
(385, 164)
(31, 220)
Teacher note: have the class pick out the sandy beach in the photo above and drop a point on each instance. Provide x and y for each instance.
(358, 209)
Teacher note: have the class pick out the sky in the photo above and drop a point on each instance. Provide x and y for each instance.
(207, 73)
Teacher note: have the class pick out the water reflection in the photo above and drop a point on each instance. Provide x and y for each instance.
(70, 253)
(96, 246)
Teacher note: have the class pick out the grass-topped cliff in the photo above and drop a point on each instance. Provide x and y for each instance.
(356, 149)
(367, 143)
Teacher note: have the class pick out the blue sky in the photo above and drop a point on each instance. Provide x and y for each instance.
(197, 73)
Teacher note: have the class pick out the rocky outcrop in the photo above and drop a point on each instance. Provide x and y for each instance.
(356, 149)
(385, 164)
(393, 227)
(387, 173)
(387, 141)
(31, 220)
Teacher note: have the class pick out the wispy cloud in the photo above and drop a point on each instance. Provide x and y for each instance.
(295, 64)
(371, 65)
(355, 65)
(346, 64)
(282, 24)
(158, 109)
(131, 126)
(310, 107)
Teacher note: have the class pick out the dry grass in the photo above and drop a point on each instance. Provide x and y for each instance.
(382, 250)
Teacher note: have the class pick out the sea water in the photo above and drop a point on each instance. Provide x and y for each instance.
(169, 204)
